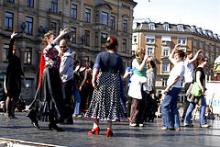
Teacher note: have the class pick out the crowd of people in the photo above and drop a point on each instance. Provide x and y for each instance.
(68, 89)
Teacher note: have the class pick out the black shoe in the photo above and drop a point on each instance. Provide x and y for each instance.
(36, 125)
(53, 126)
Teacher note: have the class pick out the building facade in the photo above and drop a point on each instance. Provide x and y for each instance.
(159, 39)
(90, 21)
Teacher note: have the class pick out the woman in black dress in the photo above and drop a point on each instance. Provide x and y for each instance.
(13, 78)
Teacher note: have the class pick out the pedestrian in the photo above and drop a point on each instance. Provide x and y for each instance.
(105, 103)
(170, 114)
(76, 91)
(86, 88)
(188, 77)
(66, 73)
(136, 86)
(201, 101)
(150, 108)
(14, 74)
(49, 105)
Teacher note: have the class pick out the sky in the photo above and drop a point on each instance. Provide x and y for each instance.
(201, 13)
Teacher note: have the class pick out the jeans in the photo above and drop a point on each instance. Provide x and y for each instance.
(77, 101)
(202, 119)
(170, 114)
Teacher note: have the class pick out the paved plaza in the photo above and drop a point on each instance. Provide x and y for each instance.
(19, 132)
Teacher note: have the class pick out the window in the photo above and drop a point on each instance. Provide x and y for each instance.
(73, 36)
(88, 15)
(53, 26)
(165, 40)
(104, 18)
(134, 39)
(73, 11)
(151, 26)
(124, 45)
(195, 43)
(125, 25)
(150, 39)
(11, 1)
(96, 38)
(5, 53)
(8, 22)
(180, 28)
(112, 21)
(87, 38)
(30, 3)
(54, 6)
(182, 41)
(166, 51)
(150, 50)
(164, 82)
(103, 38)
(29, 25)
(165, 67)
(166, 27)
(28, 55)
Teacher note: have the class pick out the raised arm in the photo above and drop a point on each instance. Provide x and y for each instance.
(12, 41)
(62, 33)
(140, 67)
(196, 56)
(171, 56)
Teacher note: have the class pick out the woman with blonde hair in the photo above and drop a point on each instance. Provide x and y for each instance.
(135, 89)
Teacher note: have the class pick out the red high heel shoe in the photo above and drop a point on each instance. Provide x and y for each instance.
(94, 131)
(109, 133)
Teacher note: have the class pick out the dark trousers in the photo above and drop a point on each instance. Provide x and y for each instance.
(68, 101)
(186, 102)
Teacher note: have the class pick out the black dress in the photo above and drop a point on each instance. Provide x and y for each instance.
(13, 73)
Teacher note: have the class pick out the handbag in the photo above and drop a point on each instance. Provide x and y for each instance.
(196, 90)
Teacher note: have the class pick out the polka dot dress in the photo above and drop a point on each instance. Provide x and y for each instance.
(105, 103)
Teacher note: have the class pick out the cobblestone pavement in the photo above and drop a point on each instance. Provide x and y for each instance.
(21, 131)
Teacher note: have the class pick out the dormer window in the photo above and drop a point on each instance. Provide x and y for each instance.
(180, 28)
(166, 27)
(151, 26)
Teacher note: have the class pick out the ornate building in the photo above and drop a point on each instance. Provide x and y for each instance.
(159, 38)
(91, 21)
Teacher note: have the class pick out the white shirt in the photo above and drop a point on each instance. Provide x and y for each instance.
(189, 72)
(177, 70)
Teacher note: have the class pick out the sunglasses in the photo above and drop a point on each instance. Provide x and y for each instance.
(62, 46)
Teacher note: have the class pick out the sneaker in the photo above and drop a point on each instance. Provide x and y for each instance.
(141, 125)
(133, 124)
(205, 126)
(164, 128)
(188, 125)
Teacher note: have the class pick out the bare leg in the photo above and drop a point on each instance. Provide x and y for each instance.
(109, 125)
(95, 124)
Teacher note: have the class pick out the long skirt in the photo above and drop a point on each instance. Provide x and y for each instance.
(105, 103)
(49, 99)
